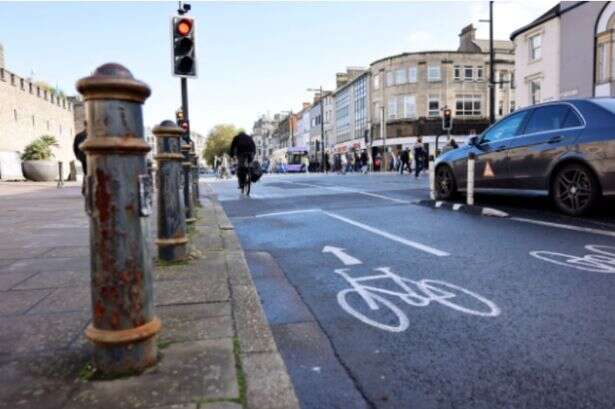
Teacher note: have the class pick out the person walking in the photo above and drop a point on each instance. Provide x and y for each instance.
(243, 149)
(405, 161)
(364, 159)
(343, 163)
(306, 164)
(418, 157)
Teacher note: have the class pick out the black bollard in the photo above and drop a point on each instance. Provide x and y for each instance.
(171, 210)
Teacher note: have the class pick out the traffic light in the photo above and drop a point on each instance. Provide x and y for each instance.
(179, 117)
(184, 57)
(447, 119)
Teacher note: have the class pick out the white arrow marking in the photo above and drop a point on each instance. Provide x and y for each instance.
(339, 253)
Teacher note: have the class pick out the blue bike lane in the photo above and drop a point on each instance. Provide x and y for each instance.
(485, 323)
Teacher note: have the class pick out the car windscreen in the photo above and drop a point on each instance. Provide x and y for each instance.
(606, 103)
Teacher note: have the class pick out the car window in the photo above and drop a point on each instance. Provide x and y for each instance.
(506, 128)
(547, 118)
(572, 119)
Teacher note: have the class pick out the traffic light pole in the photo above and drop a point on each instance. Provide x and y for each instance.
(491, 67)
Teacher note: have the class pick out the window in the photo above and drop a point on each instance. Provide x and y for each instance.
(409, 106)
(390, 79)
(457, 72)
(2, 74)
(468, 105)
(15, 114)
(433, 105)
(376, 80)
(468, 73)
(535, 91)
(512, 80)
(33, 122)
(13, 79)
(433, 73)
(412, 74)
(548, 118)
(401, 76)
(501, 108)
(479, 73)
(392, 114)
(572, 120)
(512, 106)
(45, 94)
(22, 84)
(38, 91)
(535, 47)
(504, 129)
(30, 88)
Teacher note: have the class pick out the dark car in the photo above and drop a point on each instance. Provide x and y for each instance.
(564, 148)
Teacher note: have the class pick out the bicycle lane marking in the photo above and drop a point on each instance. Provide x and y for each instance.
(601, 258)
(429, 291)
(390, 236)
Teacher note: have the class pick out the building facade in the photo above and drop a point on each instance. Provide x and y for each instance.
(30, 109)
(352, 113)
(567, 52)
(262, 132)
(410, 90)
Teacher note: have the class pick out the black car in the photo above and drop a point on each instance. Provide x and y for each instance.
(564, 148)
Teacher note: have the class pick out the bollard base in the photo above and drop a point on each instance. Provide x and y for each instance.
(172, 251)
(125, 351)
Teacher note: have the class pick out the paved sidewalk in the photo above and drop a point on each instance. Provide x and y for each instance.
(216, 347)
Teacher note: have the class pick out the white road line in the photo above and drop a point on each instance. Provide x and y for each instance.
(566, 226)
(457, 206)
(351, 190)
(288, 212)
(390, 236)
(392, 199)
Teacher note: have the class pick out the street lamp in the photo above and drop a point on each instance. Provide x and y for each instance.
(383, 127)
(322, 127)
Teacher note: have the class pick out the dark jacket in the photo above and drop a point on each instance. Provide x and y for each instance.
(79, 154)
(242, 146)
(405, 156)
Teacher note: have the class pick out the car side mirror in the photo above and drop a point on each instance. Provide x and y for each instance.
(473, 140)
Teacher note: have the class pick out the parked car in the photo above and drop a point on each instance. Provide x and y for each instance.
(563, 148)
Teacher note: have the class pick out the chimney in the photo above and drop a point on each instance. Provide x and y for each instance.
(466, 39)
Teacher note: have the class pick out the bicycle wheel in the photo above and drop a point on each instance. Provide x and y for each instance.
(441, 292)
(402, 319)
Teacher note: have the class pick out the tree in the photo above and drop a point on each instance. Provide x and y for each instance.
(219, 141)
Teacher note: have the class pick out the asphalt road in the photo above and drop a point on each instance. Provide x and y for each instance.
(458, 311)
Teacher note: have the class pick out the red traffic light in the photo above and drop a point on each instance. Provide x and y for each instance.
(184, 27)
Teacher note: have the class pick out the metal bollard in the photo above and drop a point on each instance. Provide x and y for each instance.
(470, 186)
(187, 174)
(432, 178)
(195, 174)
(118, 197)
(60, 176)
(172, 238)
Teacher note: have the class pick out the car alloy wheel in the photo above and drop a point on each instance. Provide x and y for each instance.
(575, 189)
(445, 183)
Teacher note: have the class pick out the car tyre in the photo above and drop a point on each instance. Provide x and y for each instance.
(446, 187)
(575, 189)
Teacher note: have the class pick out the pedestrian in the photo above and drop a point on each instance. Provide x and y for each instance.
(364, 159)
(453, 144)
(306, 164)
(326, 165)
(343, 164)
(80, 154)
(405, 161)
(418, 157)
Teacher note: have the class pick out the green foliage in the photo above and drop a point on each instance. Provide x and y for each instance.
(40, 149)
(219, 141)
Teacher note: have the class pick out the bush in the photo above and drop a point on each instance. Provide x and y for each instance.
(40, 149)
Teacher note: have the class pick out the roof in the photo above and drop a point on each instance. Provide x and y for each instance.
(392, 57)
(553, 12)
(497, 44)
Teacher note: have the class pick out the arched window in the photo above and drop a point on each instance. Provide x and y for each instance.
(605, 51)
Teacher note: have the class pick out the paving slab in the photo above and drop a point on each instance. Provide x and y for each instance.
(68, 299)
(10, 280)
(56, 279)
(252, 328)
(268, 384)
(195, 322)
(18, 302)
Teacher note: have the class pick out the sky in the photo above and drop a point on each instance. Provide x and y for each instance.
(253, 57)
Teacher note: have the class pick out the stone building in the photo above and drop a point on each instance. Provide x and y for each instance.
(411, 89)
(30, 109)
(262, 132)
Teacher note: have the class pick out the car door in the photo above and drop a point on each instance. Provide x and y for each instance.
(548, 132)
(491, 166)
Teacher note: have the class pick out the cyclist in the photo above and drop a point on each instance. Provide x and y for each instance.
(243, 149)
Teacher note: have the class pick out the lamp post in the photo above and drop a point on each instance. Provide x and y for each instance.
(383, 127)
(492, 81)
(322, 127)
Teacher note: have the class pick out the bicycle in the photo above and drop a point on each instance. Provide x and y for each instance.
(429, 291)
(601, 261)
(247, 182)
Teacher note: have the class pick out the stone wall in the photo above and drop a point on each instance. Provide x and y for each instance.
(28, 111)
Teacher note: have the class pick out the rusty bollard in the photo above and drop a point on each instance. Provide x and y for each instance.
(171, 213)
(187, 168)
(118, 196)
(195, 174)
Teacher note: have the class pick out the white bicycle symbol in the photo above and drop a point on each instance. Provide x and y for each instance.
(428, 290)
(602, 261)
